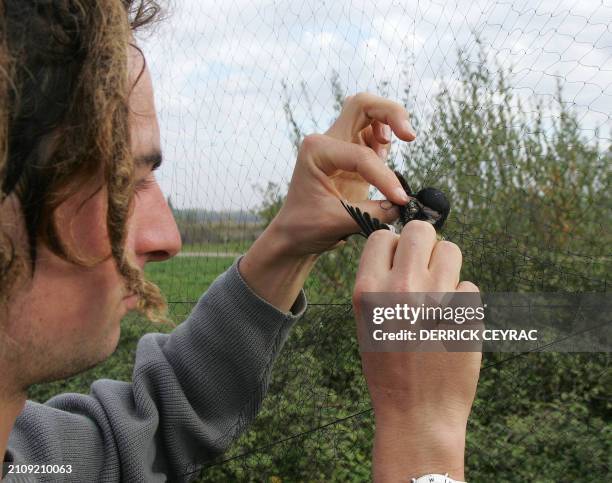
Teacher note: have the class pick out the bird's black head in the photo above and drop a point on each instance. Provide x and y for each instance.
(434, 199)
(432, 205)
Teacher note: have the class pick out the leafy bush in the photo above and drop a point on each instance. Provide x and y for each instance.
(530, 210)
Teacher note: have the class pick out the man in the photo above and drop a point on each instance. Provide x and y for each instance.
(82, 214)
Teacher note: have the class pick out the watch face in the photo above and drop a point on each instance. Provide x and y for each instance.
(435, 479)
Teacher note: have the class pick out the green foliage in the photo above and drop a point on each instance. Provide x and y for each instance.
(531, 212)
(272, 201)
(530, 196)
(542, 417)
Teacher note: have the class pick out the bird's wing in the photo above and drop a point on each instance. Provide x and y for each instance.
(367, 223)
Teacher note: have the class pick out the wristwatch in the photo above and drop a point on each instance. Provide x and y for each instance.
(435, 479)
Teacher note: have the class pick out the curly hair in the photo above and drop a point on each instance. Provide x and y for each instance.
(64, 121)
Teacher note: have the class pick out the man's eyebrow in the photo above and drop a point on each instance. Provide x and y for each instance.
(154, 160)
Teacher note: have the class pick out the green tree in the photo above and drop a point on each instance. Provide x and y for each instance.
(531, 211)
(529, 197)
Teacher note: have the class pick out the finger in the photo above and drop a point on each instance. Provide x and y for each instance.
(362, 109)
(415, 247)
(377, 257)
(331, 155)
(392, 114)
(382, 132)
(384, 210)
(467, 287)
(445, 264)
(471, 301)
(373, 138)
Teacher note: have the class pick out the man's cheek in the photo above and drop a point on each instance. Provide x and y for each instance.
(81, 223)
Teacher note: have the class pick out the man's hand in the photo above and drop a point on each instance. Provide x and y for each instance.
(340, 164)
(421, 400)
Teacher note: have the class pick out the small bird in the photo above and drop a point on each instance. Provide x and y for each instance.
(429, 204)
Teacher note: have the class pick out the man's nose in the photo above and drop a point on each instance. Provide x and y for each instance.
(157, 237)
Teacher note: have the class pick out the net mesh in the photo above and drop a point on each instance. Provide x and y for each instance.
(512, 103)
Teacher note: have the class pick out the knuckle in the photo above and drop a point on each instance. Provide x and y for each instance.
(363, 284)
(311, 142)
(470, 287)
(447, 246)
(398, 284)
(438, 285)
(403, 284)
(365, 155)
(418, 281)
(399, 288)
(409, 281)
(381, 236)
(419, 228)
(361, 97)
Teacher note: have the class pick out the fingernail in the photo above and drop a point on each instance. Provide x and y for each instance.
(386, 205)
(387, 132)
(382, 153)
(408, 127)
(401, 194)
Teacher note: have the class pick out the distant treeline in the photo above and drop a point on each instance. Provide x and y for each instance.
(199, 215)
(200, 226)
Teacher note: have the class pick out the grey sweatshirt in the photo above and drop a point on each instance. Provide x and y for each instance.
(193, 391)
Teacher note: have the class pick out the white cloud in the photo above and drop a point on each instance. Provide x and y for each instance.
(218, 69)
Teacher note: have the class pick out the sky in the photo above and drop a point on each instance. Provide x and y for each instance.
(219, 67)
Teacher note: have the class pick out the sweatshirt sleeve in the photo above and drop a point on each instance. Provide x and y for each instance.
(193, 391)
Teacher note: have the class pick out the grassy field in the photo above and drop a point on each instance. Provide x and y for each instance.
(538, 414)
(184, 279)
(229, 247)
